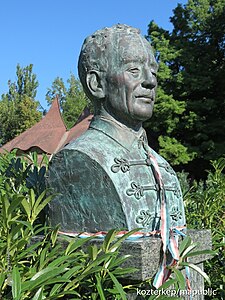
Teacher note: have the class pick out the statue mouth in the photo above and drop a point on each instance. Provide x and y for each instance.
(145, 98)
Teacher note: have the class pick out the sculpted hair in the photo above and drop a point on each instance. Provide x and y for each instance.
(97, 48)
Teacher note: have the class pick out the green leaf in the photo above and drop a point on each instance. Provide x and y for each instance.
(86, 272)
(188, 249)
(121, 239)
(29, 250)
(97, 262)
(99, 287)
(186, 242)
(44, 276)
(32, 197)
(167, 284)
(5, 206)
(92, 251)
(15, 203)
(16, 231)
(39, 294)
(25, 223)
(72, 272)
(64, 293)
(41, 206)
(118, 261)
(57, 262)
(180, 278)
(54, 235)
(55, 289)
(27, 207)
(39, 200)
(16, 283)
(200, 252)
(19, 244)
(108, 239)
(75, 244)
(42, 260)
(123, 271)
(199, 270)
(2, 279)
(118, 286)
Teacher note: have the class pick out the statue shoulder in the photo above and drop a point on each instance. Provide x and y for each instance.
(158, 157)
(83, 141)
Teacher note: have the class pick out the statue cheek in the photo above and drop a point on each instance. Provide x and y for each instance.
(117, 80)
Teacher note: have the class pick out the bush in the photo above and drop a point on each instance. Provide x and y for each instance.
(205, 209)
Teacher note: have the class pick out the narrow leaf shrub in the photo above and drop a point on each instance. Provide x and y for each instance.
(205, 209)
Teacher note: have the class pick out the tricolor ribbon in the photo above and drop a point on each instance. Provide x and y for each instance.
(163, 272)
(169, 235)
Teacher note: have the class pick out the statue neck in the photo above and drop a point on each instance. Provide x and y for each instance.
(134, 126)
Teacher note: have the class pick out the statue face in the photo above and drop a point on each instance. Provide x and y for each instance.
(131, 80)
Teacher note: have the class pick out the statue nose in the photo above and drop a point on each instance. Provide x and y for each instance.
(149, 81)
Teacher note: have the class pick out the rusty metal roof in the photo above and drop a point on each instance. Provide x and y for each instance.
(49, 134)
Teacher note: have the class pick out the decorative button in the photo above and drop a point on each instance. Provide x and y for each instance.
(137, 190)
(177, 192)
(144, 218)
(175, 213)
(120, 164)
(124, 165)
(142, 140)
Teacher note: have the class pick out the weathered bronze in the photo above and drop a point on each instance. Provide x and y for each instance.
(106, 178)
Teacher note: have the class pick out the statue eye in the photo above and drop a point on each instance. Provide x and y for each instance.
(134, 71)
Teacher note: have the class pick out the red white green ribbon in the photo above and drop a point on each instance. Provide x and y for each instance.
(169, 235)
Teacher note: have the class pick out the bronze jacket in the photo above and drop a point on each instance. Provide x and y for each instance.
(104, 180)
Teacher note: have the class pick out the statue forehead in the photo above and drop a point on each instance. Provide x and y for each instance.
(133, 48)
(115, 46)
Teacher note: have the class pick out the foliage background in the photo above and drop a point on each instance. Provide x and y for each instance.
(188, 122)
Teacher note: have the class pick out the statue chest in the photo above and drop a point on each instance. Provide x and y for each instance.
(133, 176)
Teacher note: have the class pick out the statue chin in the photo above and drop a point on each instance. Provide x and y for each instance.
(132, 119)
(142, 115)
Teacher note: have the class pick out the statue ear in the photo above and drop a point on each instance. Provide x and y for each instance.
(95, 84)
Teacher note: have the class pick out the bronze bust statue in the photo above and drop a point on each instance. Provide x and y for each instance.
(109, 177)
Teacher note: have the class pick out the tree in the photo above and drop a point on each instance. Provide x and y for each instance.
(192, 73)
(168, 110)
(72, 98)
(18, 107)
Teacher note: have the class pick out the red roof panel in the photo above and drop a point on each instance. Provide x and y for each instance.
(46, 134)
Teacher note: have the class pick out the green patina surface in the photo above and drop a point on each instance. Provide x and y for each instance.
(105, 178)
(107, 182)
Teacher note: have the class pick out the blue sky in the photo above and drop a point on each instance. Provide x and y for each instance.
(49, 33)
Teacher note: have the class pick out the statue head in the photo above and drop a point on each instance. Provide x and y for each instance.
(117, 69)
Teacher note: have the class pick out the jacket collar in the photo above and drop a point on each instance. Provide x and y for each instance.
(123, 135)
